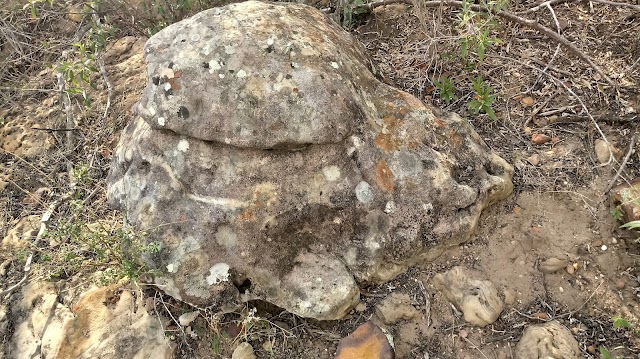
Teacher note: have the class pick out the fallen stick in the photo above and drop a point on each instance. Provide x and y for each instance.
(505, 15)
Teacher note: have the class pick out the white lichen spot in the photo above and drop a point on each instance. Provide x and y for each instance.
(172, 267)
(161, 121)
(331, 173)
(195, 37)
(221, 76)
(183, 145)
(295, 65)
(218, 273)
(226, 237)
(227, 140)
(167, 86)
(390, 207)
(229, 50)
(241, 74)
(270, 41)
(364, 193)
(214, 65)
(335, 65)
(427, 207)
(152, 111)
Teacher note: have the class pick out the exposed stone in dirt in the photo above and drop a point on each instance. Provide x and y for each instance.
(396, 307)
(540, 138)
(22, 138)
(22, 233)
(111, 322)
(186, 318)
(625, 198)
(290, 172)
(549, 340)
(552, 265)
(37, 320)
(367, 341)
(478, 300)
(243, 351)
(106, 322)
(601, 149)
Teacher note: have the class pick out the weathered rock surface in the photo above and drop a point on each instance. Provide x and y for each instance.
(625, 198)
(106, 322)
(479, 300)
(269, 163)
(367, 341)
(548, 340)
(396, 307)
(22, 233)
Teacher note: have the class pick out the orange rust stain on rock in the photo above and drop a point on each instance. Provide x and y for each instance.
(384, 176)
(455, 138)
(247, 215)
(440, 123)
(387, 142)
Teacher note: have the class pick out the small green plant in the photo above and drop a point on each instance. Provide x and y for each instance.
(446, 89)
(605, 354)
(483, 101)
(350, 10)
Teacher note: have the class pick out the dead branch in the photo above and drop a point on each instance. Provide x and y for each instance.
(102, 68)
(555, 2)
(507, 16)
(622, 165)
(584, 107)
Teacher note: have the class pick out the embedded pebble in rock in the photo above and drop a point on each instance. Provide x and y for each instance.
(396, 307)
(280, 169)
(367, 341)
(549, 340)
(243, 351)
(478, 300)
(552, 265)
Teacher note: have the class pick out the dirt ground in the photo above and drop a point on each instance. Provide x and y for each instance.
(560, 207)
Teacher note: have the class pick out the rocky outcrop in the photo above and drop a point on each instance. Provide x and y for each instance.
(268, 162)
(107, 322)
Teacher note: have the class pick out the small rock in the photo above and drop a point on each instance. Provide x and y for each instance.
(528, 101)
(243, 351)
(396, 307)
(368, 341)
(477, 299)
(591, 349)
(548, 340)
(509, 297)
(361, 307)
(624, 197)
(186, 318)
(267, 346)
(604, 247)
(534, 160)
(561, 289)
(620, 283)
(4, 266)
(570, 269)
(602, 151)
(540, 315)
(540, 138)
(552, 265)
(463, 333)
(597, 243)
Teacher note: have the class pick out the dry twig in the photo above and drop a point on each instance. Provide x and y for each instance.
(623, 164)
(509, 17)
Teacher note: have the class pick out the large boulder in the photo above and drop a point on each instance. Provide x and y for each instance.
(269, 163)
